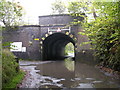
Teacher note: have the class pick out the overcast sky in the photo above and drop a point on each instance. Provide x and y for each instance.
(35, 8)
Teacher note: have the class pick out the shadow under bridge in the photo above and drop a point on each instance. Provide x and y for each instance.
(54, 46)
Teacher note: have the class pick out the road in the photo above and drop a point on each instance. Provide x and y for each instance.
(64, 74)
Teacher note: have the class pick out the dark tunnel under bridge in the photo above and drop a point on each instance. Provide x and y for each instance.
(54, 46)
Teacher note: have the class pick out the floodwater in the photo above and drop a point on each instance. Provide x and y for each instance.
(65, 74)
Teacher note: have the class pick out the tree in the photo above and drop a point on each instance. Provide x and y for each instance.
(10, 16)
(77, 7)
(103, 30)
(10, 13)
(105, 33)
(58, 7)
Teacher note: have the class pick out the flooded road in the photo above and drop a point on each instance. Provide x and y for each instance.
(65, 74)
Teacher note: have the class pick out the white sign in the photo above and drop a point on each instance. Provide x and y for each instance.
(16, 47)
(23, 49)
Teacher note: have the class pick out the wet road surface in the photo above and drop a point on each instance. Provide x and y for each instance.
(65, 74)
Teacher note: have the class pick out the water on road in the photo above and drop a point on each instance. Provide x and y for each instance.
(65, 74)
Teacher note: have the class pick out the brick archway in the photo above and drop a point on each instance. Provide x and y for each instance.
(54, 45)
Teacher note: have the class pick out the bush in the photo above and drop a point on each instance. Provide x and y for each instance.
(15, 81)
(104, 33)
(9, 66)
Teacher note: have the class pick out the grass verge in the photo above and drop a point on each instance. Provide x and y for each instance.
(16, 80)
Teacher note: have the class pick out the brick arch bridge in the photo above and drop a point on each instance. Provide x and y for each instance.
(53, 46)
(47, 40)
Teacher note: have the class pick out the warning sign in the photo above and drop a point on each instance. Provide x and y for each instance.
(37, 39)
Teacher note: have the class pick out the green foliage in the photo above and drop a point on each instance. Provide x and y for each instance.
(0, 57)
(104, 32)
(6, 45)
(69, 48)
(58, 7)
(77, 7)
(9, 66)
(16, 80)
(70, 65)
(10, 13)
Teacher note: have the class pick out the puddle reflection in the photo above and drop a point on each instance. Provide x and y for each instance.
(75, 75)
(69, 74)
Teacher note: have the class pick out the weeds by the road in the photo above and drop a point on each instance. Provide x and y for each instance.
(16, 80)
(11, 75)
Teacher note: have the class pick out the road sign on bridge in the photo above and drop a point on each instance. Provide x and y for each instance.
(58, 29)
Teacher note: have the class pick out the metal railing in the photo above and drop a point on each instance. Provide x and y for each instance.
(59, 29)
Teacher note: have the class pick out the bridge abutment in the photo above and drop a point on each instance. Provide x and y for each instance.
(26, 35)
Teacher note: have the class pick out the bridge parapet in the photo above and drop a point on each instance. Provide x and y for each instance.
(55, 19)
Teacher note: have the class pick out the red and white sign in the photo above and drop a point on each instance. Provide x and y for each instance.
(58, 30)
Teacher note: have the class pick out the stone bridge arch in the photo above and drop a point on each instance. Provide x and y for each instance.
(56, 33)
(53, 46)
